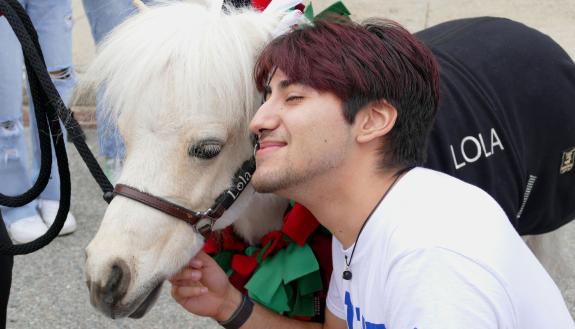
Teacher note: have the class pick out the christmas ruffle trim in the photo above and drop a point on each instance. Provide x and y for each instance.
(282, 273)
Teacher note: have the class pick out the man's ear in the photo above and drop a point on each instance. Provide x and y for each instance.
(375, 120)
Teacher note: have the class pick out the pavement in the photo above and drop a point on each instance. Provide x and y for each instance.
(48, 289)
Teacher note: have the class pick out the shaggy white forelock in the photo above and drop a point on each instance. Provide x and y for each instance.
(182, 58)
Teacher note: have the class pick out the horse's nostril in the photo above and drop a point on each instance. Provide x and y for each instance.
(117, 285)
(107, 296)
(114, 282)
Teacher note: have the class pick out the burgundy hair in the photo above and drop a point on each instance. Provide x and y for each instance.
(376, 61)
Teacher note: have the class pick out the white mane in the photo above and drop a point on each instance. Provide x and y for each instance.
(178, 50)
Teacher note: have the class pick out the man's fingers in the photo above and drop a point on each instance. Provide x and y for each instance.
(196, 263)
(184, 292)
(187, 283)
(186, 274)
(203, 259)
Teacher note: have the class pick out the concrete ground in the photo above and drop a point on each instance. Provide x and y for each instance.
(48, 289)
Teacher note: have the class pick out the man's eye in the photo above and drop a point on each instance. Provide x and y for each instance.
(205, 150)
(293, 98)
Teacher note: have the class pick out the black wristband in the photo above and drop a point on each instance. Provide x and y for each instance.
(240, 315)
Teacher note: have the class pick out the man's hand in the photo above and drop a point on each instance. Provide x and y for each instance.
(203, 288)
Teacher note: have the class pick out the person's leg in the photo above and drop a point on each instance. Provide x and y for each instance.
(53, 22)
(14, 171)
(12, 145)
(104, 16)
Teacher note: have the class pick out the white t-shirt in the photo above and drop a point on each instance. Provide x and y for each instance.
(439, 253)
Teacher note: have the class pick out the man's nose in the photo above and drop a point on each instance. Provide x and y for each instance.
(264, 119)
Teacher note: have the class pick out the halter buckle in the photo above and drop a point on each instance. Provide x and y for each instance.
(204, 226)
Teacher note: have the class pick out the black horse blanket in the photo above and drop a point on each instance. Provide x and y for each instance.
(506, 120)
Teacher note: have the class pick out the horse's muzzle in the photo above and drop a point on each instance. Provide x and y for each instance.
(107, 298)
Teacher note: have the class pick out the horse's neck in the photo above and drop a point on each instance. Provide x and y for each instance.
(265, 214)
(253, 215)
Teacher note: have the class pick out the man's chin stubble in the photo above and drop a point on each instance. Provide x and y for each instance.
(274, 183)
(267, 186)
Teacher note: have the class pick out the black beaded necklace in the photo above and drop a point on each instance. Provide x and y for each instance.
(347, 273)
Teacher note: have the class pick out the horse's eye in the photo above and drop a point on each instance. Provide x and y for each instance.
(205, 149)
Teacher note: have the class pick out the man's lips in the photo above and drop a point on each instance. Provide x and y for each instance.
(268, 146)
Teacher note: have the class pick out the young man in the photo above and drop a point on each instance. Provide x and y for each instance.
(342, 131)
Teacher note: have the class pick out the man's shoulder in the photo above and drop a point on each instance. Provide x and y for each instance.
(427, 186)
(433, 208)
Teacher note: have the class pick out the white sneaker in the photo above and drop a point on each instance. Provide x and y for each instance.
(49, 209)
(27, 229)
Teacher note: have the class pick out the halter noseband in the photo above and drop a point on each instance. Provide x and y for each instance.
(201, 221)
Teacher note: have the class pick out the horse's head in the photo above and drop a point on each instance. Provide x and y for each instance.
(177, 80)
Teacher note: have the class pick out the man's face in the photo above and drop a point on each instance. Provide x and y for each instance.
(303, 136)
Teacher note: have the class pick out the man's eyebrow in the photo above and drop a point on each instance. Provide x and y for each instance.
(281, 85)
(286, 83)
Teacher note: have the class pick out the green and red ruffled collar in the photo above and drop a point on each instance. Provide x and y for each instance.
(288, 272)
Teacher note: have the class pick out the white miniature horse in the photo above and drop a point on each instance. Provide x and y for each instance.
(177, 79)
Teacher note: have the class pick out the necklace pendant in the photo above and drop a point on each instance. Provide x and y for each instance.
(346, 274)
